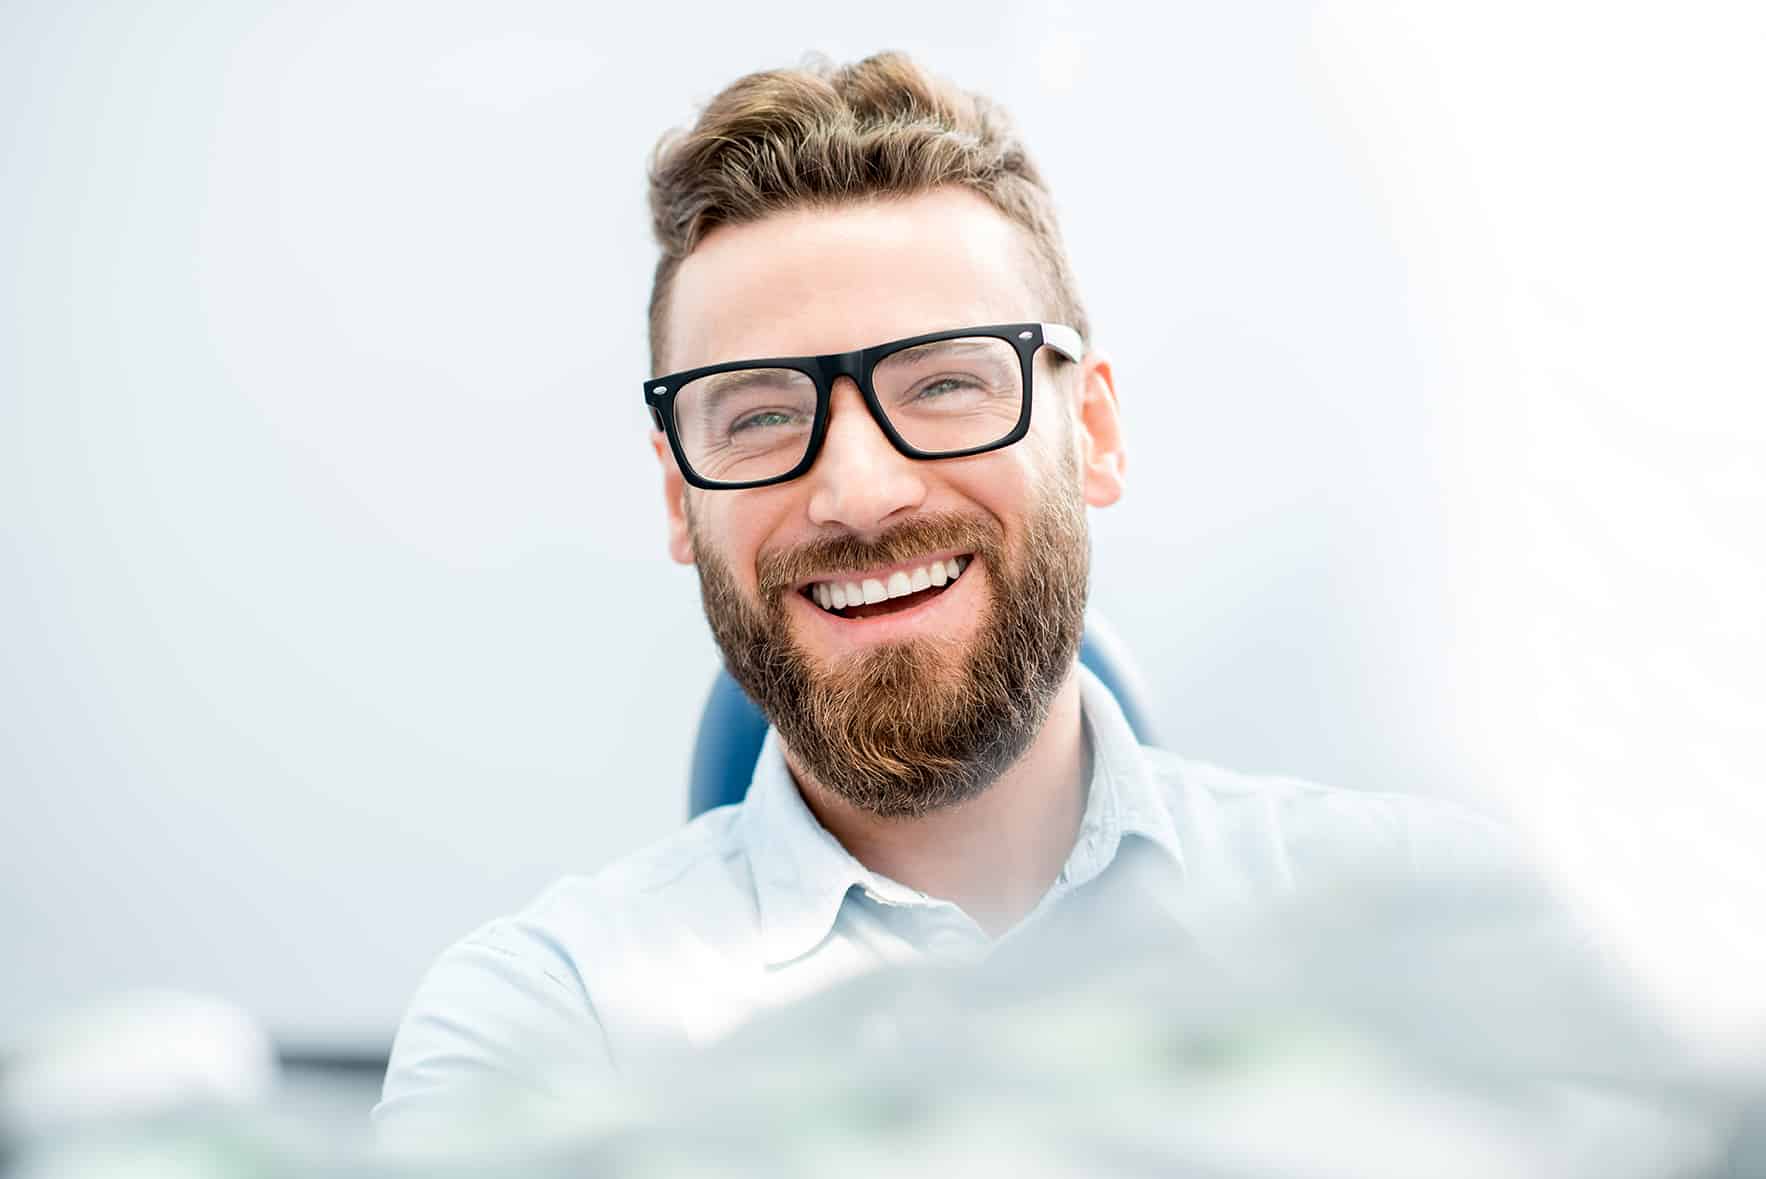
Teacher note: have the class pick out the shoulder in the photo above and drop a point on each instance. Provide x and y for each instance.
(1308, 829)
(533, 1001)
(698, 874)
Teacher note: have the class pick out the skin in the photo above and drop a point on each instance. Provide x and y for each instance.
(816, 281)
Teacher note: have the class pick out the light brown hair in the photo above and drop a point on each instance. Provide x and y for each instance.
(821, 135)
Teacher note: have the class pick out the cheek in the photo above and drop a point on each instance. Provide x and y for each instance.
(740, 525)
(1054, 424)
(1044, 458)
(1002, 484)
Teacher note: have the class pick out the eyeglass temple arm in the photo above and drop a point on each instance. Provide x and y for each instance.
(1064, 340)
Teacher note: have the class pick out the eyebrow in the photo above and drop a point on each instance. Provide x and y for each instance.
(944, 349)
(735, 382)
(719, 387)
(960, 344)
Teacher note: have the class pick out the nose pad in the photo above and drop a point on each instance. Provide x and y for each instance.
(860, 479)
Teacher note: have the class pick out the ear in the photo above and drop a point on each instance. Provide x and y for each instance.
(674, 494)
(1102, 461)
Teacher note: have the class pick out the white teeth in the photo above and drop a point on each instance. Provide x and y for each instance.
(838, 595)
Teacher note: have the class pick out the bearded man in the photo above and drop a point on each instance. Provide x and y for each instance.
(879, 424)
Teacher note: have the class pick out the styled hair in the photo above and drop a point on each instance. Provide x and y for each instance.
(820, 136)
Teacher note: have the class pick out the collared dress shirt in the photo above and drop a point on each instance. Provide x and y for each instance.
(753, 906)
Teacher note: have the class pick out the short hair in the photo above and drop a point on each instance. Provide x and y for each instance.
(819, 136)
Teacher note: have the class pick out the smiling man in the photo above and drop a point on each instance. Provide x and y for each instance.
(879, 423)
(908, 625)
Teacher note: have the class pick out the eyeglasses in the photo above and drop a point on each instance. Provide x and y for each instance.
(751, 423)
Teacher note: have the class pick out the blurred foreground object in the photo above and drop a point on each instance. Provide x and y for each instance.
(1366, 1031)
(137, 1055)
(133, 1060)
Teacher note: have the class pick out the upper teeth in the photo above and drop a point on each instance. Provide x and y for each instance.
(837, 595)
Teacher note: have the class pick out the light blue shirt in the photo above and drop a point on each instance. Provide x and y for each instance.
(752, 906)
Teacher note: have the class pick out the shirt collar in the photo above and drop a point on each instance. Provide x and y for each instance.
(802, 874)
(1125, 796)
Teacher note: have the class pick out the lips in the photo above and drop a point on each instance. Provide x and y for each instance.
(851, 595)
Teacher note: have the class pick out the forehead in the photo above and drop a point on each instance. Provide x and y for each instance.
(813, 281)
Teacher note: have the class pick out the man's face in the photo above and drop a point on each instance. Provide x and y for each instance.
(914, 703)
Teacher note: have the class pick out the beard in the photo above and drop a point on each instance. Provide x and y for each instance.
(907, 728)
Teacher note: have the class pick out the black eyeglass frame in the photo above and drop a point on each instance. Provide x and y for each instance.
(1026, 338)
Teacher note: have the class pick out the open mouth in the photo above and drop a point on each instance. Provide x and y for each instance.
(870, 597)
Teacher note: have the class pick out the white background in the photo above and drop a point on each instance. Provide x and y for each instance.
(334, 612)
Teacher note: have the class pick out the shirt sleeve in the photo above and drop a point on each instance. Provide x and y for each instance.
(501, 1034)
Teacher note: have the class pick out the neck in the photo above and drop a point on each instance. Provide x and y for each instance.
(995, 855)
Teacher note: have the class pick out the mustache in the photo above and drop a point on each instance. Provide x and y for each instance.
(776, 572)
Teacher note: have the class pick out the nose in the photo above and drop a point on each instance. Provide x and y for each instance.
(860, 480)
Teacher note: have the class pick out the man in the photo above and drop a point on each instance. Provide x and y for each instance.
(879, 423)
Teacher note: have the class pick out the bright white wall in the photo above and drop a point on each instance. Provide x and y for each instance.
(335, 612)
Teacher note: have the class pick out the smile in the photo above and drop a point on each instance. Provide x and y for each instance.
(870, 594)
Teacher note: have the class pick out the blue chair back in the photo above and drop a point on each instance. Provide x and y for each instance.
(731, 728)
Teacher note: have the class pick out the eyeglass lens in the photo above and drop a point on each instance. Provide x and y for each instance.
(942, 397)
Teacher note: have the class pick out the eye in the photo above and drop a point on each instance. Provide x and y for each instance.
(942, 387)
(763, 419)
